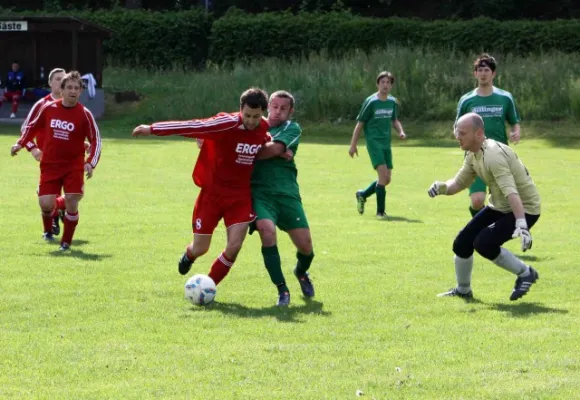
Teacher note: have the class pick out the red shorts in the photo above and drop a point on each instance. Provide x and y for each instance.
(211, 208)
(53, 180)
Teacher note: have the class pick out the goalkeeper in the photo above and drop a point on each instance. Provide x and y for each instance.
(514, 207)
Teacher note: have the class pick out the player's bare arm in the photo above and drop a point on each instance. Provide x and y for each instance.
(36, 153)
(142, 130)
(271, 150)
(399, 128)
(355, 135)
(89, 170)
(515, 134)
(516, 206)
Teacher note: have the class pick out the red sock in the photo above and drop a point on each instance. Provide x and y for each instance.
(220, 268)
(47, 222)
(70, 223)
(189, 254)
(60, 205)
(14, 105)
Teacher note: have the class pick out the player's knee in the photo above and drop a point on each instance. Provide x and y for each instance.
(71, 202)
(267, 233)
(305, 248)
(486, 247)
(46, 205)
(304, 245)
(477, 202)
(462, 247)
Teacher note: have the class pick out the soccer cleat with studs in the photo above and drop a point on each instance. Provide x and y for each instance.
(382, 216)
(305, 284)
(48, 237)
(283, 299)
(360, 202)
(64, 247)
(456, 293)
(523, 284)
(184, 264)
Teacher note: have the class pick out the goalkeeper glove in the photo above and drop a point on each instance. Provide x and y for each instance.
(522, 232)
(437, 188)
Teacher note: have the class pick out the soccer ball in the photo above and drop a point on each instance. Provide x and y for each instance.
(200, 290)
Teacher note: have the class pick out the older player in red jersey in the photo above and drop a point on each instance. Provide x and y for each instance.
(65, 125)
(54, 81)
(222, 171)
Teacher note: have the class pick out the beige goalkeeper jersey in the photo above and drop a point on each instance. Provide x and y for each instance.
(503, 172)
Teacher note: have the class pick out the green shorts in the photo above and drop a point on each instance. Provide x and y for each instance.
(286, 212)
(477, 186)
(380, 156)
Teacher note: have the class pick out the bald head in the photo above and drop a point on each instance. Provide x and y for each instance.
(469, 131)
(471, 121)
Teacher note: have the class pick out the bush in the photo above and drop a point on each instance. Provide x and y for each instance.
(155, 39)
(239, 36)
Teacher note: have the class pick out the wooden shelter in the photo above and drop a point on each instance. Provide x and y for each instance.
(40, 44)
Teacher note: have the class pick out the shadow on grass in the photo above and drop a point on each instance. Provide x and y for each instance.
(282, 314)
(75, 253)
(394, 218)
(530, 257)
(520, 310)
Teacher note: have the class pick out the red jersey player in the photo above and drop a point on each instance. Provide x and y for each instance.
(65, 125)
(54, 81)
(222, 171)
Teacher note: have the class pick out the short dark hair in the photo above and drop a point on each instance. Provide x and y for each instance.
(284, 95)
(485, 60)
(386, 74)
(71, 76)
(254, 98)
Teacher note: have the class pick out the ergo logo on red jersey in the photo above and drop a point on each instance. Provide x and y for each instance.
(245, 148)
(64, 125)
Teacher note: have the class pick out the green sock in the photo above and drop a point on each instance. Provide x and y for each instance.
(303, 262)
(274, 267)
(473, 211)
(381, 196)
(370, 190)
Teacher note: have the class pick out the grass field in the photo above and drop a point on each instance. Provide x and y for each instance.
(108, 320)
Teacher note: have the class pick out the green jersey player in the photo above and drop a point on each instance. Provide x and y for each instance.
(495, 106)
(276, 198)
(378, 112)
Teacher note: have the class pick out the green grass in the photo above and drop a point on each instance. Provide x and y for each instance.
(428, 85)
(108, 320)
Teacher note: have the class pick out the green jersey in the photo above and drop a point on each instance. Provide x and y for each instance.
(378, 116)
(277, 175)
(495, 109)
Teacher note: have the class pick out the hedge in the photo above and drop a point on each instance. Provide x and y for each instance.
(241, 36)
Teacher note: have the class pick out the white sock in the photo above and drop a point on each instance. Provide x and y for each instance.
(463, 268)
(511, 263)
